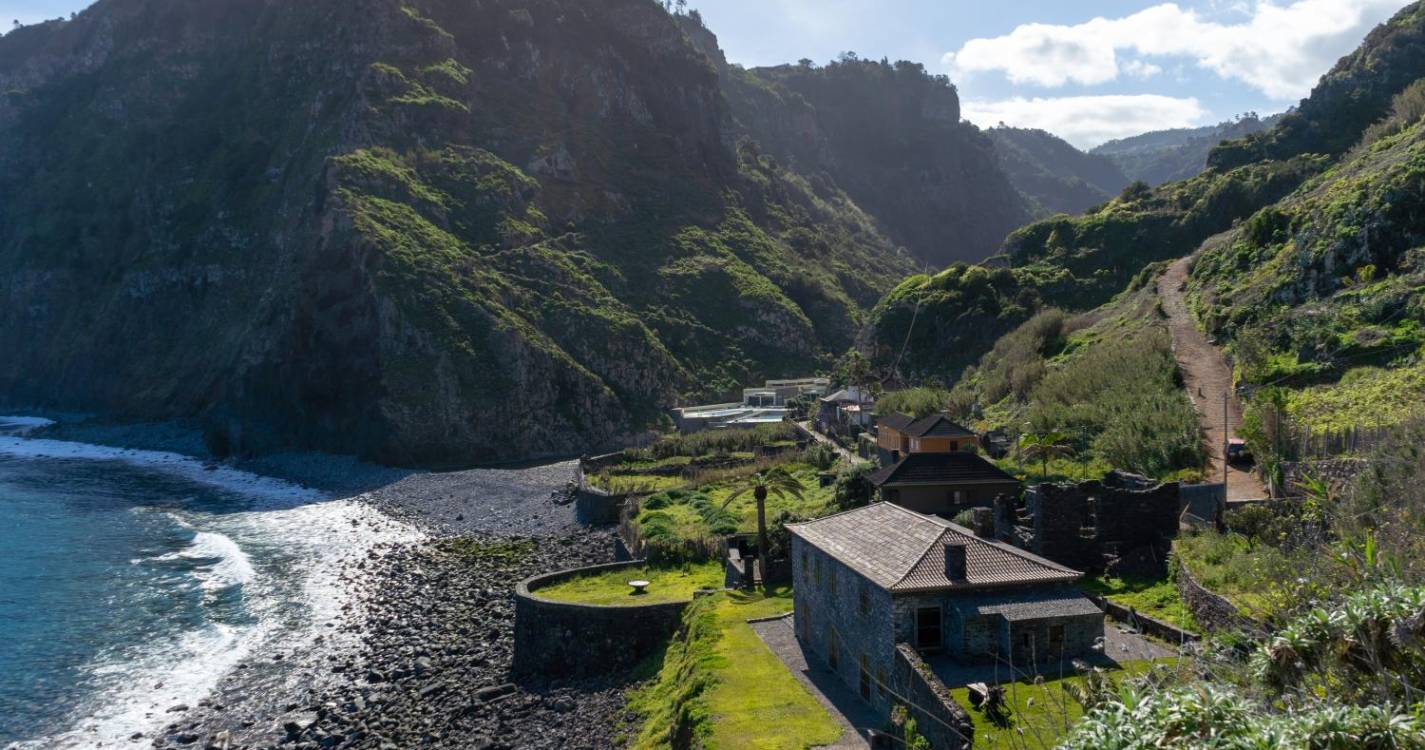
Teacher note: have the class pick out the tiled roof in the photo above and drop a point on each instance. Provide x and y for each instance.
(959, 467)
(1053, 603)
(935, 425)
(903, 551)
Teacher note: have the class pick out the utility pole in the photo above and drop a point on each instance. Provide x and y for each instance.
(1226, 440)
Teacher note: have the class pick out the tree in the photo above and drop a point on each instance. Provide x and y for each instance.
(775, 482)
(1042, 446)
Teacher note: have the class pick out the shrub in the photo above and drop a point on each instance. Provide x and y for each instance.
(916, 402)
(853, 487)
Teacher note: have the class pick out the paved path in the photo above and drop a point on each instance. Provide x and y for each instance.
(824, 440)
(1209, 383)
(853, 714)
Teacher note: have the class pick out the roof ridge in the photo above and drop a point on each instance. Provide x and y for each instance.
(840, 513)
(1002, 546)
(931, 547)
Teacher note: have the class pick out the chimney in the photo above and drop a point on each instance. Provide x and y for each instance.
(955, 561)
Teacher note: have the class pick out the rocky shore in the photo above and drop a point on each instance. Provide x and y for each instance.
(431, 636)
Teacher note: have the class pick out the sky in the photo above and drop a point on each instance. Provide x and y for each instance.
(1086, 71)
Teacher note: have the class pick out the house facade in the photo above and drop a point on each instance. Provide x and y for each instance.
(871, 578)
(899, 435)
(943, 483)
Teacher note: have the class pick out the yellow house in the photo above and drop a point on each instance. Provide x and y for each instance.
(899, 435)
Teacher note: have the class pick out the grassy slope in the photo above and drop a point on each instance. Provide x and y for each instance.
(1105, 378)
(1158, 599)
(1321, 293)
(722, 688)
(695, 515)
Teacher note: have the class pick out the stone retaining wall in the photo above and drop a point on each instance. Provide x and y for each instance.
(942, 721)
(565, 639)
(592, 505)
(1160, 629)
(1212, 610)
(1338, 473)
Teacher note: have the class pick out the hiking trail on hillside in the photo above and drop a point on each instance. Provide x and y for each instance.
(1208, 380)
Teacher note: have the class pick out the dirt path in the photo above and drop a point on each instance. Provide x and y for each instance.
(1208, 380)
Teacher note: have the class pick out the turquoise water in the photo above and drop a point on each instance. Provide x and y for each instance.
(133, 581)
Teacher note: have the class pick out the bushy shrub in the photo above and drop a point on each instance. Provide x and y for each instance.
(916, 402)
(853, 487)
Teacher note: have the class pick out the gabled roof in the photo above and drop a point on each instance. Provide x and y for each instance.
(904, 551)
(935, 425)
(959, 467)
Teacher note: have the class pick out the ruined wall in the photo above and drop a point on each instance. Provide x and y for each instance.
(1123, 522)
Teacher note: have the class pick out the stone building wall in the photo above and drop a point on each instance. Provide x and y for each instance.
(564, 639)
(828, 606)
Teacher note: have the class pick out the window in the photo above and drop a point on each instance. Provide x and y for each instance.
(959, 497)
(833, 649)
(865, 601)
(881, 681)
(805, 560)
(927, 627)
(865, 678)
(831, 580)
(1056, 639)
(805, 621)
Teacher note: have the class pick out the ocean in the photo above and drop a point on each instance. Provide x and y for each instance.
(132, 581)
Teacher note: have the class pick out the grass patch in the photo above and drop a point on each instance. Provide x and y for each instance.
(666, 584)
(640, 484)
(1159, 599)
(720, 687)
(1040, 713)
(1234, 566)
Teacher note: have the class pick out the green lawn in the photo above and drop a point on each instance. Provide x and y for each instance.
(1039, 714)
(1158, 599)
(726, 688)
(666, 584)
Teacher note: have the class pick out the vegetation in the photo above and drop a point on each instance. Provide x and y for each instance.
(1053, 176)
(1037, 711)
(665, 584)
(773, 482)
(1104, 383)
(715, 442)
(678, 524)
(916, 402)
(719, 685)
(1156, 598)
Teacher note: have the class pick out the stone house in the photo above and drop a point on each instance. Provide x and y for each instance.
(943, 483)
(871, 578)
(899, 435)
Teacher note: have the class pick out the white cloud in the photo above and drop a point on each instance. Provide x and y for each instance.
(1278, 49)
(1087, 121)
(1140, 69)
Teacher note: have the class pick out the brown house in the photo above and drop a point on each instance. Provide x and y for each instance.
(943, 484)
(898, 435)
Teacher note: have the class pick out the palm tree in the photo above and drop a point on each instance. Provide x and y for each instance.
(775, 481)
(1043, 446)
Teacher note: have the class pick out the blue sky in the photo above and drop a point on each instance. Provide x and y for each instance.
(1088, 71)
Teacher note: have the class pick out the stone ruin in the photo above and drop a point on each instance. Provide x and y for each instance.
(1123, 524)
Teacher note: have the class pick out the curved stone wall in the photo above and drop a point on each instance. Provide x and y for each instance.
(566, 639)
(1212, 610)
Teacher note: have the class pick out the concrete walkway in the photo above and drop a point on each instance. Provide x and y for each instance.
(853, 714)
(1119, 646)
(1208, 380)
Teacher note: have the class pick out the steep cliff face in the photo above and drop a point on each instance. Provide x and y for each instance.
(427, 232)
(890, 135)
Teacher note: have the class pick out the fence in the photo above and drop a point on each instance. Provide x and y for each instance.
(1353, 440)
